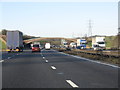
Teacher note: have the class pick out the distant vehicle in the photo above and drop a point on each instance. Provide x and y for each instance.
(99, 42)
(96, 47)
(36, 48)
(31, 45)
(47, 46)
(81, 43)
(73, 45)
(14, 41)
(65, 44)
(68, 48)
(35, 43)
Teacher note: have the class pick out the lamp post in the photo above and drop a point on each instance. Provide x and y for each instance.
(119, 38)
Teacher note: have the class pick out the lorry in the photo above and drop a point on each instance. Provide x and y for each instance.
(47, 46)
(14, 41)
(98, 42)
(64, 43)
(81, 43)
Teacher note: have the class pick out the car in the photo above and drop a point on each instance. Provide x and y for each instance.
(36, 48)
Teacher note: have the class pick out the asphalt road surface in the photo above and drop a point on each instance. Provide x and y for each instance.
(52, 69)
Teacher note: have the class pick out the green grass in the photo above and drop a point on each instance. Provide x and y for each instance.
(111, 41)
(2, 45)
(89, 44)
(111, 60)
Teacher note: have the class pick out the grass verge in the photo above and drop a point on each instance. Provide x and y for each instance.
(106, 59)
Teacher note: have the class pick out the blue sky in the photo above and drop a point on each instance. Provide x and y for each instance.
(60, 19)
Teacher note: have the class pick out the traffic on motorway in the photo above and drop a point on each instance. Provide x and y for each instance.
(39, 69)
(59, 44)
(49, 68)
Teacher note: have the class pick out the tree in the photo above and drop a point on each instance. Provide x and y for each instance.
(4, 32)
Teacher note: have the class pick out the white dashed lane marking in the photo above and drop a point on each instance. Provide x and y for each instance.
(46, 61)
(9, 57)
(72, 84)
(53, 67)
(41, 54)
(1, 61)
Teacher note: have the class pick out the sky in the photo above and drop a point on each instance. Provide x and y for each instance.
(60, 19)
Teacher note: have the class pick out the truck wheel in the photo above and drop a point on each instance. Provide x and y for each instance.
(21, 50)
(9, 51)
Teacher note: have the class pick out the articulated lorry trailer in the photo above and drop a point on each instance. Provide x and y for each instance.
(14, 41)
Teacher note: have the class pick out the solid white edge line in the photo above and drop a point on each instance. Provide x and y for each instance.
(72, 84)
(99, 62)
(53, 67)
(1, 61)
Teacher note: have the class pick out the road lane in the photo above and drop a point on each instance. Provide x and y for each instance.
(29, 70)
(6, 55)
(86, 74)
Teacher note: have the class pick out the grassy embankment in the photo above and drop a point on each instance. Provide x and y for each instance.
(100, 57)
(2, 45)
(111, 41)
(108, 57)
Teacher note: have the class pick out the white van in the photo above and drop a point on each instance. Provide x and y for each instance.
(47, 46)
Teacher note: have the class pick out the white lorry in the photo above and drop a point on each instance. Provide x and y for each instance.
(47, 46)
(98, 42)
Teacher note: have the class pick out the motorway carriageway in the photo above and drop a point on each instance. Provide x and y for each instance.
(53, 69)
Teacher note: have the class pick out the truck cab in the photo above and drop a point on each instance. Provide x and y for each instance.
(98, 42)
(81, 43)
